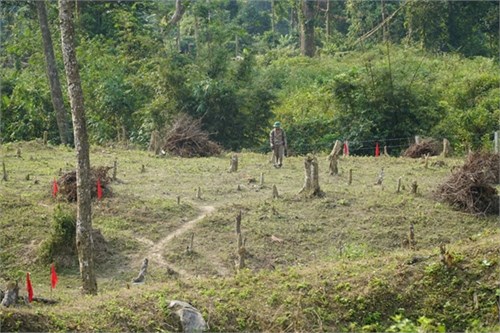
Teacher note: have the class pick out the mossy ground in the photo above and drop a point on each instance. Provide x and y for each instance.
(342, 263)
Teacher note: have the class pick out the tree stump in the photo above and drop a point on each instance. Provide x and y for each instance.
(240, 264)
(414, 187)
(385, 151)
(11, 294)
(411, 237)
(115, 167)
(5, 177)
(234, 163)
(45, 137)
(398, 190)
(349, 181)
(426, 159)
(334, 156)
(155, 142)
(446, 148)
(178, 199)
(142, 273)
(198, 193)
(311, 183)
(380, 178)
(275, 192)
(190, 248)
(238, 223)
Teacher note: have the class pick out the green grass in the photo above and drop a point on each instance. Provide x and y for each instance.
(341, 265)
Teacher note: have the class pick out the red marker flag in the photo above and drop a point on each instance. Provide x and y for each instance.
(55, 188)
(99, 189)
(53, 276)
(29, 287)
(377, 149)
(346, 148)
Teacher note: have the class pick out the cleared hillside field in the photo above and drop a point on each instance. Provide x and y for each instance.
(339, 262)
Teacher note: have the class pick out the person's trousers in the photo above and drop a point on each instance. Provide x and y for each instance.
(278, 153)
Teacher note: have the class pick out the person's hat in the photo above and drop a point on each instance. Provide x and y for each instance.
(277, 124)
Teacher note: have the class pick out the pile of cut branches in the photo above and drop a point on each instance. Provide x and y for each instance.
(67, 183)
(470, 187)
(428, 146)
(186, 139)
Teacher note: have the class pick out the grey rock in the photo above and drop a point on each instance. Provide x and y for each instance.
(191, 319)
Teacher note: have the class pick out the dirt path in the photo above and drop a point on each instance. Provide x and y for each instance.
(154, 254)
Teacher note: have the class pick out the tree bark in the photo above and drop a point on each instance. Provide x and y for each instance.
(55, 85)
(307, 29)
(84, 242)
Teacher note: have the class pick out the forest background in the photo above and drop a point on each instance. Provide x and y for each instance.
(361, 71)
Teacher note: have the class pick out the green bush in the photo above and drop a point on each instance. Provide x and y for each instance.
(62, 241)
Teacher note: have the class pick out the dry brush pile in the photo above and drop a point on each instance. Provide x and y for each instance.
(67, 183)
(470, 187)
(417, 150)
(187, 139)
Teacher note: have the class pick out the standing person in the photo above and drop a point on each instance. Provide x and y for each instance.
(277, 139)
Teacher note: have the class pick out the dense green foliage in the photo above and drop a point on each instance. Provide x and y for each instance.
(236, 65)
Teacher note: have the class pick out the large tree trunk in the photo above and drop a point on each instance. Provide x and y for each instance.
(84, 241)
(55, 85)
(307, 29)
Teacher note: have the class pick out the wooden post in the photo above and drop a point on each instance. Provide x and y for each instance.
(5, 177)
(414, 187)
(238, 222)
(178, 199)
(399, 185)
(45, 137)
(234, 163)
(275, 192)
(496, 143)
(446, 148)
(115, 167)
(198, 193)
(334, 156)
(385, 151)
(261, 179)
(426, 157)
(349, 182)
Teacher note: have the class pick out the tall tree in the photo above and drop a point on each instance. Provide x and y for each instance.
(84, 241)
(55, 85)
(307, 47)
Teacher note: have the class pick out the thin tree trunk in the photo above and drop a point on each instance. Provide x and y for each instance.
(55, 85)
(307, 29)
(84, 241)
